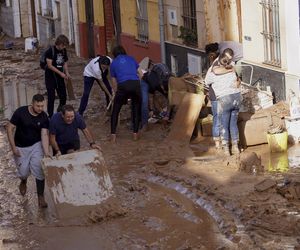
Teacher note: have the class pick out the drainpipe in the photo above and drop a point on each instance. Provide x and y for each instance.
(162, 31)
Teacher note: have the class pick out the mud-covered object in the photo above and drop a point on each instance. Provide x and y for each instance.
(290, 191)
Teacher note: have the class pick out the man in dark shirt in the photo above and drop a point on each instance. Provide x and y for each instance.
(56, 72)
(64, 137)
(30, 143)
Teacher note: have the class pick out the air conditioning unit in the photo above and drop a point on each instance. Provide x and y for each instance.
(172, 17)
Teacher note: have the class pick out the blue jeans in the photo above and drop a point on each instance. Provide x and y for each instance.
(216, 119)
(229, 107)
(88, 84)
(145, 102)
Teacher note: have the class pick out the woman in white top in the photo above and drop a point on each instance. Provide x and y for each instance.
(97, 69)
(225, 84)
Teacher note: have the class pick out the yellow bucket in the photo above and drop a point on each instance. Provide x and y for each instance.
(278, 162)
(278, 142)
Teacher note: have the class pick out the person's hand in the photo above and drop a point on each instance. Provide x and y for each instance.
(16, 152)
(58, 153)
(68, 75)
(48, 156)
(151, 113)
(63, 75)
(96, 146)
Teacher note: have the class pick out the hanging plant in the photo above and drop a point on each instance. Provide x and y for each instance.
(189, 36)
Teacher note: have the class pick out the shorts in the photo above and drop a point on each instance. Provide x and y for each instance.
(30, 161)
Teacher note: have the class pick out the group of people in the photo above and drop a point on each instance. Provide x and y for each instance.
(31, 130)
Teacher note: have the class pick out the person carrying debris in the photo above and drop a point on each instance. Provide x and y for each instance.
(226, 84)
(56, 71)
(97, 69)
(30, 143)
(156, 79)
(125, 78)
(63, 129)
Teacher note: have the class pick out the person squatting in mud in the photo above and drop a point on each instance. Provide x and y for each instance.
(225, 84)
(63, 129)
(125, 78)
(56, 72)
(155, 79)
(30, 143)
(97, 69)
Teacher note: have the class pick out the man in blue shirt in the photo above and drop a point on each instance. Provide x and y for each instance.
(63, 128)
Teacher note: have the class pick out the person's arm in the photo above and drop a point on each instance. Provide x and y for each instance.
(219, 70)
(90, 139)
(114, 84)
(140, 73)
(45, 141)
(51, 67)
(151, 104)
(10, 134)
(54, 144)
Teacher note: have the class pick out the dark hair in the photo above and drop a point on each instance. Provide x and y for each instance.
(212, 47)
(225, 61)
(228, 51)
(104, 60)
(38, 98)
(67, 108)
(118, 50)
(62, 39)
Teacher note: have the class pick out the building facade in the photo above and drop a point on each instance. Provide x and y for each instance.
(271, 44)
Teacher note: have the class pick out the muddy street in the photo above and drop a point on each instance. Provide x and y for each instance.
(167, 195)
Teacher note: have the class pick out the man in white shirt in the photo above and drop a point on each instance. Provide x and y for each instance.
(97, 69)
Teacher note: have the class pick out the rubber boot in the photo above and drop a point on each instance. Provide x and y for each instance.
(23, 187)
(42, 202)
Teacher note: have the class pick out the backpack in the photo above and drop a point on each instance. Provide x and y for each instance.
(162, 71)
(43, 62)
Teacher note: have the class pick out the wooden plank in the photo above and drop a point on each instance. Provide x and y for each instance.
(186, 117)
(70, 89)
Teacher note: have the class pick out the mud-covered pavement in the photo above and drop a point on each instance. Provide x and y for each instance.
(167, 196)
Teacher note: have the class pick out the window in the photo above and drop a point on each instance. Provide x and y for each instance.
(271, 32)
(189, 29)
(142, 20)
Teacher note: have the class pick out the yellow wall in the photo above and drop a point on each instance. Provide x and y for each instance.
(98, 13)
(153, 21)
(81, 11)
(128, 14)
(129, 23)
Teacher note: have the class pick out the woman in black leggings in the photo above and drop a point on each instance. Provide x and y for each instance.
(126, 84)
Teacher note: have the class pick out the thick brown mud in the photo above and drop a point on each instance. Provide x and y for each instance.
(167, 196)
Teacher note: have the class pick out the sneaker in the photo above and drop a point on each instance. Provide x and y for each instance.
(235, 149)
(23, 187)
(113, 138)
(135, 136)
(226, 150)
(42, 202)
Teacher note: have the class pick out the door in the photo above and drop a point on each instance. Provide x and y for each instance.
(89, 9)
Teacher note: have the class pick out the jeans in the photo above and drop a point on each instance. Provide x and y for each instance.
(229, 107)
(88, 84)
(54, 82)
(216, 119)
(145, 102)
